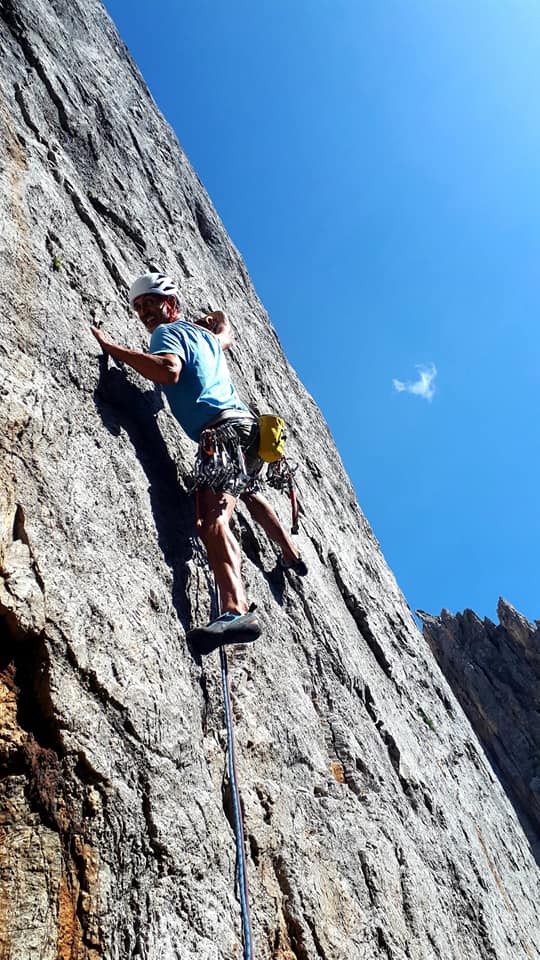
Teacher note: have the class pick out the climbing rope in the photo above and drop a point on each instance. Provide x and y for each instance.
(241, 865)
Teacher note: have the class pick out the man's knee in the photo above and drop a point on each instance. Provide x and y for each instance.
(212, 527)
(259, 507)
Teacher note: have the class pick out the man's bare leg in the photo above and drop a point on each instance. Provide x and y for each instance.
(224, 557)
(265, 515)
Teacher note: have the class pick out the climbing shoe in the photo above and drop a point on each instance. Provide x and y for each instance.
(297, 566)
(228, 628)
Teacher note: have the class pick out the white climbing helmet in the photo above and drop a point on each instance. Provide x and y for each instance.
(153, 283)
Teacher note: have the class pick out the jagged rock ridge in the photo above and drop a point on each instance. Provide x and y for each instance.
(494, 671)
(375, 827)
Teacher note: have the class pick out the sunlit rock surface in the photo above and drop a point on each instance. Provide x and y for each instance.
(375, 826)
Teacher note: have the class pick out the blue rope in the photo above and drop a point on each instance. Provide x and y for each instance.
(238, 822)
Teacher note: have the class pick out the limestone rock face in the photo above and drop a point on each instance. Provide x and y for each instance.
(375, 826)
(494, 671)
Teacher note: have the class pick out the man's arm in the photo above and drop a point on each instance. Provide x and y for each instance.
(219, 324)
(160, 368)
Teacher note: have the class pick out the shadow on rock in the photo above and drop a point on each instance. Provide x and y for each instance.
(250, 546)
(123, 405)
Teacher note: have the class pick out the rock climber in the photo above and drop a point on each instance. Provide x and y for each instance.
(186, 358)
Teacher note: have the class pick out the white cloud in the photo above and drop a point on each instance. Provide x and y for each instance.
(423, 387)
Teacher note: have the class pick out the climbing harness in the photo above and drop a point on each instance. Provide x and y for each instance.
(241, 865)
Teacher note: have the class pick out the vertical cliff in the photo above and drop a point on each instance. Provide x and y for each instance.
(375, 827)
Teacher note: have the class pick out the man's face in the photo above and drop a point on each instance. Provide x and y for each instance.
(152, 309)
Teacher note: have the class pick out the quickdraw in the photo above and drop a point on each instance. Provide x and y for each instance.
(220, 463)
(280, 476)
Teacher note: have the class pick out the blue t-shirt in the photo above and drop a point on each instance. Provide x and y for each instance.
(204, 387)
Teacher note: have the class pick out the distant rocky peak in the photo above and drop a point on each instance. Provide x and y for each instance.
(494, 671)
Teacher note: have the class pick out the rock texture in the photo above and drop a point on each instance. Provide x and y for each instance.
(494, 671)
(375, 825)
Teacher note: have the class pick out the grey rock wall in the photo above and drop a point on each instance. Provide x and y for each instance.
(375, 826)
(494, 670)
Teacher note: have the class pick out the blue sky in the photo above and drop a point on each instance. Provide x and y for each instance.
(376, 164)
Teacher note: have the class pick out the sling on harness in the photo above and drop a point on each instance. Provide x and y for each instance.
(280, 476)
